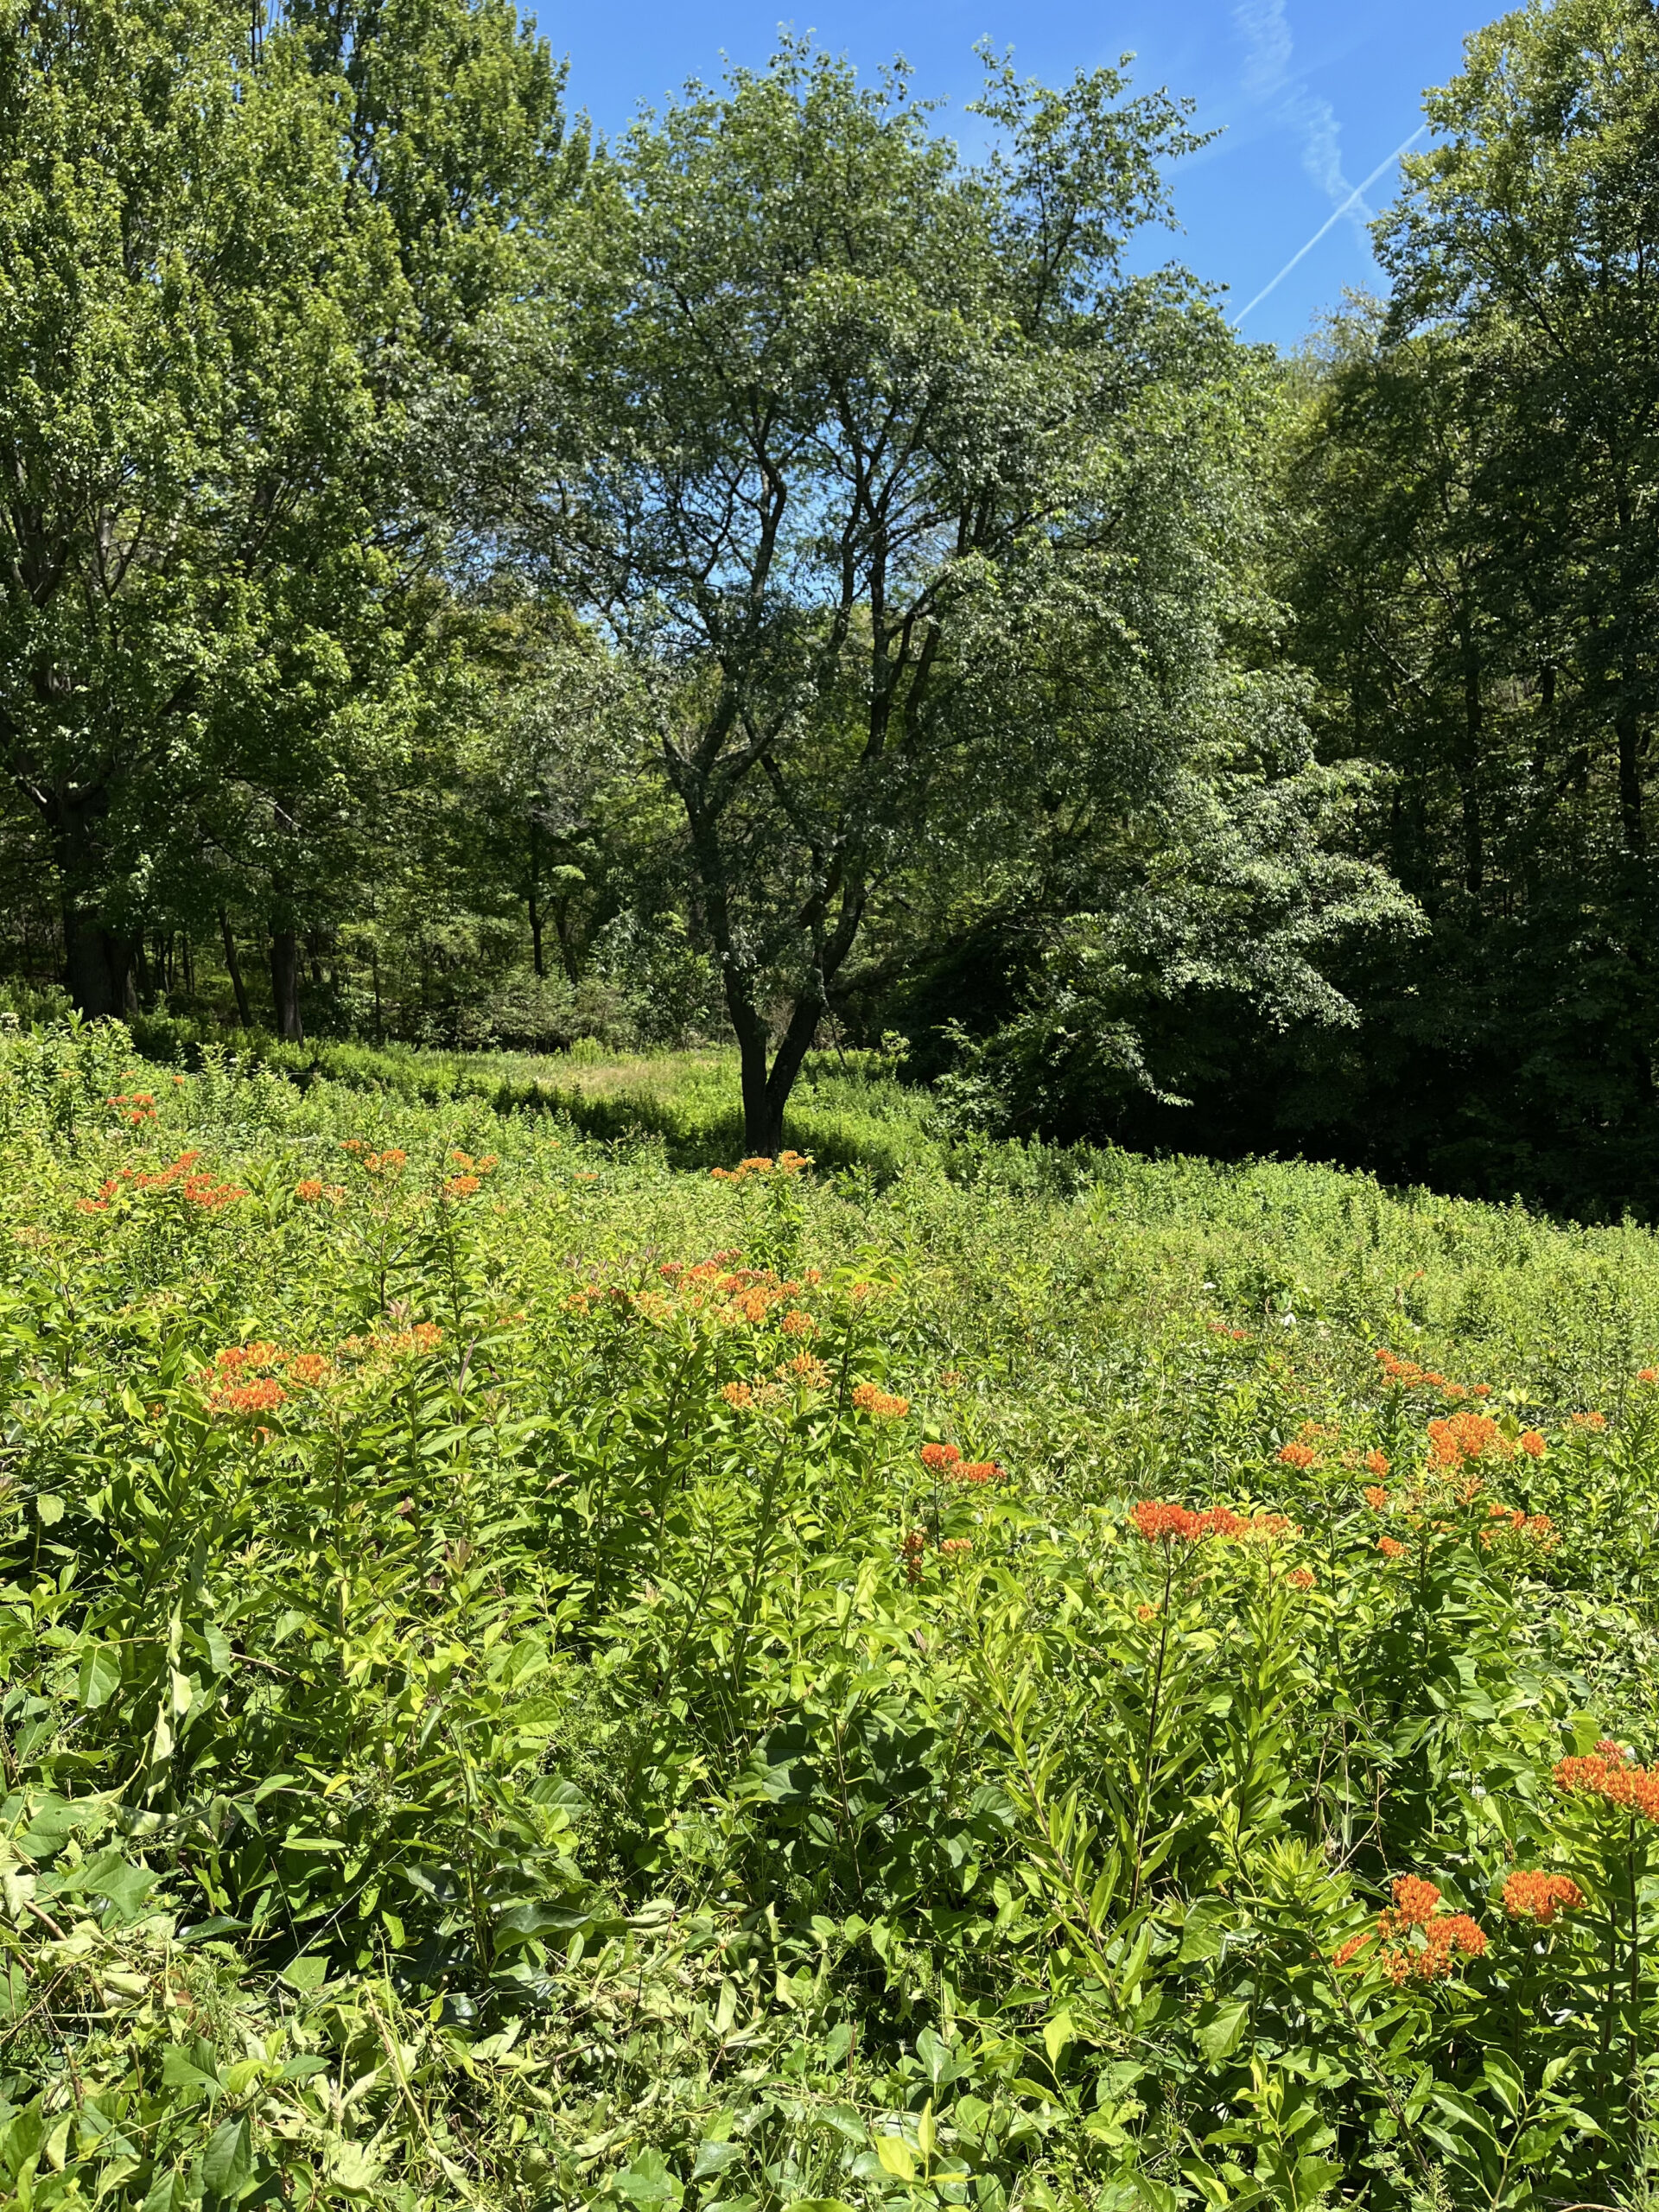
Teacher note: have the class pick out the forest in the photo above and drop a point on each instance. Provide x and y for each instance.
(772, 580)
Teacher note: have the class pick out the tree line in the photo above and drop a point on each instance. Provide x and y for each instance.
(772, 576)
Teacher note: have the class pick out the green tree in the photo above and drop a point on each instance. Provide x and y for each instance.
(836, 442)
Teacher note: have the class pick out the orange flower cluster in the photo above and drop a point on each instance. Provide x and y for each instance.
(797, 1323)
(1646, 1374)
(1162, 1523)
(1446, 1935)
(1233, 1335)
(912, 1552)
(955, 1548)
(1465, 1437)
(392, 1161)
(308, 1190)
(395, 1344)
(787, 1163)
(1390, 1547)
(882, 1404)
(1301, 1578)
(1376, 1497)
(1376, 1463)
(1587, 1420)
(261, 1396)
(139, 1107)
(730, 1298)
(469, 1174)
(738, 1395)
(810, 1373)
(245, 1377)
(1539, 1896)
(1536, 1529)
(1531, 1443)
(200, 1190)
(946, 1460)
(1405, 1375)
(1608, 1774)
(1297, 1455)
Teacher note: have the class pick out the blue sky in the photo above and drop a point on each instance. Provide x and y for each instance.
(1312, 96)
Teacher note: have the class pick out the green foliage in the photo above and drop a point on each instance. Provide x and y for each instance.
(500, 1707)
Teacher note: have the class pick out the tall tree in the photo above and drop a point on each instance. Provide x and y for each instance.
(840, 416)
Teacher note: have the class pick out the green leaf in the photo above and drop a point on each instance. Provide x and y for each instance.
(896, 2157)
(181, 2071)
(714, 2158)
(227, 2163)
(126, 1887)
(1057, 2032)
(307, 1972)
(100, 1675)
(1218, 2037)
(648, 2180)
(49, 1511)
(161, 2193)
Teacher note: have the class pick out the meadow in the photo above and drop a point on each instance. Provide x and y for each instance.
(537, 1676)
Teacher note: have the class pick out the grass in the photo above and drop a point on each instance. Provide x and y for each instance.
(510, 1699)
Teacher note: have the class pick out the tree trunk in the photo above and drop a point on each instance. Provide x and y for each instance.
(533, 895)
(767, 1090)
(98, 964)
(285, 983)
(234, 965)
(1474, 854)
(1629, 727)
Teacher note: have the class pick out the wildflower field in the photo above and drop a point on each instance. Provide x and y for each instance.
(531, 1678)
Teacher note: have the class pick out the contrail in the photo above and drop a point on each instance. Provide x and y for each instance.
(1335, 216)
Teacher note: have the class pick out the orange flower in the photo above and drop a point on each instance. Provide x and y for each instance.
(309, 1368)
(882, 1404)
(1646, 1374)
(1376, 1463)
(937, 1457)
(912, 1552)
(1446, 1935)
(796, 1324)
(1352, 1948)
(308, 1190)
(1466, 1436)
(1159, 1523)
(956, 1548)
(1588, 1421)
(1144, 1612)
(1297, 1455)
(977, 1471)
(1301, 1578)
(738, 1395)
(1537, 1896)
(1415, 1901)
(1532, 1444)
(460, 1186)
(1608, 1774)
(1375, 1497)
(1390, 1547)
(260, 1397)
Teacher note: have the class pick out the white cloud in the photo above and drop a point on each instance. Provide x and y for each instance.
(1269, 52)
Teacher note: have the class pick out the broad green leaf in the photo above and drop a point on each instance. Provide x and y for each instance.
(1217, 2037)
(227, 2163)
(896, 2157)
(100, 1675)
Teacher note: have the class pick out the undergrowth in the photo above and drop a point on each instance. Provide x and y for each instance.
(535, 1678)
